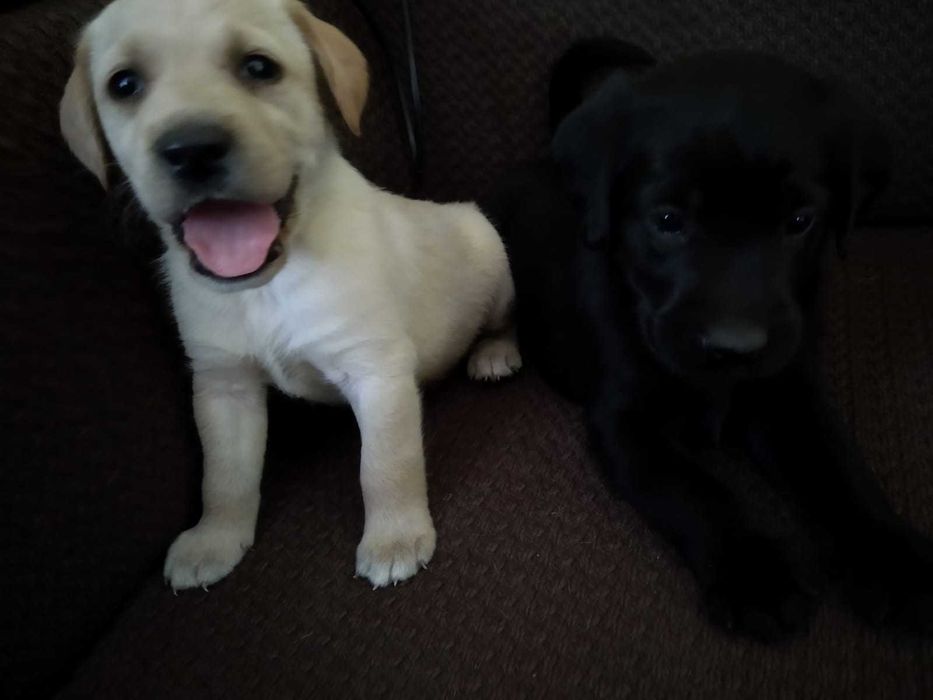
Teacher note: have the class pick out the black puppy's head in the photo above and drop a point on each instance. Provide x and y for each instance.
(712, 186)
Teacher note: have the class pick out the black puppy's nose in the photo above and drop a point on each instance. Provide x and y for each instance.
(195, 152)
(734, 340)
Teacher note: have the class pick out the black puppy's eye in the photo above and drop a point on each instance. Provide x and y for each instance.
(668, 221)
(125, 84)
(800, 222)
(260, 68)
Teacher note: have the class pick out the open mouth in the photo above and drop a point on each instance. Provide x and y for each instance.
(231, 240)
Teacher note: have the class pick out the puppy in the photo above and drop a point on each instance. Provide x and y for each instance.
(285, 266)
(666, 256)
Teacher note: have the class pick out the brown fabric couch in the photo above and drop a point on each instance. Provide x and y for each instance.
(542, 584)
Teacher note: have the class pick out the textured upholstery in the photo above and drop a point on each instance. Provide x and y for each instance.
(542, 584)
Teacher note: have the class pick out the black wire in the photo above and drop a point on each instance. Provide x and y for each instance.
(417, 152)
(409, 103)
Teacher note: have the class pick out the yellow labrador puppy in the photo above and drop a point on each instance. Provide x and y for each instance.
(285, 266)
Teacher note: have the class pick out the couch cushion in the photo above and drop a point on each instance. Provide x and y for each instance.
(542, 584)
(484, 67)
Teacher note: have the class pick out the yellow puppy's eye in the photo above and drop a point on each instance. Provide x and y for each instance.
(259, 68)
(125, 84)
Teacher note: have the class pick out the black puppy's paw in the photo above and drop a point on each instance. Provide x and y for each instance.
(755, 592)
(888, 581)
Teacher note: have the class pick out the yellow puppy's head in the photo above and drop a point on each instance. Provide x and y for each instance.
(211, 109)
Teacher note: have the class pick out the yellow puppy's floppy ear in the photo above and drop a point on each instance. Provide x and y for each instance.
(78, 117)
(343, 63)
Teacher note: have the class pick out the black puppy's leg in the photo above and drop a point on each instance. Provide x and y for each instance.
(748, 584)
(883, 566)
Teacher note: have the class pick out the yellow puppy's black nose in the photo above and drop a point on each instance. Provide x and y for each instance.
(195, 152)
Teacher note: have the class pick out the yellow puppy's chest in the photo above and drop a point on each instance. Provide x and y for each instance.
(298, 377)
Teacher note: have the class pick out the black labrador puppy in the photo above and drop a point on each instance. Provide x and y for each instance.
(667, 254)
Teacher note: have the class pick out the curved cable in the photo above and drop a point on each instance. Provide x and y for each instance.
(409, 98)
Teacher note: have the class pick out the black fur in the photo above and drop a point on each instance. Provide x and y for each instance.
(675, 338)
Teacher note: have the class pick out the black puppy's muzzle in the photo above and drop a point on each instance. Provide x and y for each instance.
(734, 344)
(715, 348)
(196, 153)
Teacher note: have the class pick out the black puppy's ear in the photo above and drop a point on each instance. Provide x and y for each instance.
(582, 68)
(858, 167)
(587, 146)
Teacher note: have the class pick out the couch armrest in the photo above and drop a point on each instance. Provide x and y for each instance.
(100, 457)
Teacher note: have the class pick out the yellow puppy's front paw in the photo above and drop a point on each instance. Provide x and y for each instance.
(205, 554)
(394, 550)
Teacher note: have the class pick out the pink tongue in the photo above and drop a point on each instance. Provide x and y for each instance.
(231, 238)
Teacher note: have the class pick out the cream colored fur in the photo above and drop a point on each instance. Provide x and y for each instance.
(377, 293)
